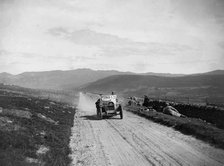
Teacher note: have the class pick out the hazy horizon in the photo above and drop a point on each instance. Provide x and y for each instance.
(107, 70)
(162, 36)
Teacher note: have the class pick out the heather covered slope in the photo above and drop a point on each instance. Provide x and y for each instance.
(33, 131)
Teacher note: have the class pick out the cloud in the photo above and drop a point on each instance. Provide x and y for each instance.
(221, 44)
(17, 62)
(112, 45)
(89, 37)
(141, 66)
(84, 58)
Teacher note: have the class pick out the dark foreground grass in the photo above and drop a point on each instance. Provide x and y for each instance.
(49, 126)
(190, 126)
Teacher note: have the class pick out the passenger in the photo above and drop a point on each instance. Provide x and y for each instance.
(99, 101)
(113, 98)
(146, 101)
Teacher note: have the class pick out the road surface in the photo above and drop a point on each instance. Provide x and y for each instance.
(135, 141)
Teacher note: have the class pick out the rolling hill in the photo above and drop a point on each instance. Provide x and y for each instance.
(197, 86)
(215, 72)
(70, 79)
(56, 79)
(156, 84)
(124, 82)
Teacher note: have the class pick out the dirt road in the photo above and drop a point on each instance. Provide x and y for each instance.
(136, 141)
(133, 141)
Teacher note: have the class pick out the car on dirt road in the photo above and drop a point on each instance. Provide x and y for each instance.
(107, 106)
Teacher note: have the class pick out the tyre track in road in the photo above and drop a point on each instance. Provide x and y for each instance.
(134, 147)
(153, 157)
(117, 149)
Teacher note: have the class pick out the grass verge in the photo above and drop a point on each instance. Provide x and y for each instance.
(190, 126)
(34, 131)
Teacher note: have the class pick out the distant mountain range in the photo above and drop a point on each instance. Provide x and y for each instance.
(100, 80)
(198, 88)
(126, 83)
(215, 72)
(56, 79)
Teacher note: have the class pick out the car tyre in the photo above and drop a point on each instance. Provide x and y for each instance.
(100, 115)
(121, 112)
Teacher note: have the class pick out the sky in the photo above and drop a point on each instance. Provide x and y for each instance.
(163, 36)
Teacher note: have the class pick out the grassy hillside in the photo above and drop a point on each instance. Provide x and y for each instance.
(133, 82)
(197, 86)
(33, 131)
(56, 95)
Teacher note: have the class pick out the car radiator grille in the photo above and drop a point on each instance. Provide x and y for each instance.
(110, 108)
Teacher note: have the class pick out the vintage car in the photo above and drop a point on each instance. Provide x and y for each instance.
(107, 105)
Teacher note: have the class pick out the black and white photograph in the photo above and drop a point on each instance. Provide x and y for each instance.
(111, 82)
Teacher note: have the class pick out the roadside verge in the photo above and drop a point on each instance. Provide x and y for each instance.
(34, 131)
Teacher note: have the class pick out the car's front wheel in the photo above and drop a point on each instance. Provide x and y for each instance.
(100, 115)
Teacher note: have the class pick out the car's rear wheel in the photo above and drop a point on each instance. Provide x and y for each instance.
(121, 112)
